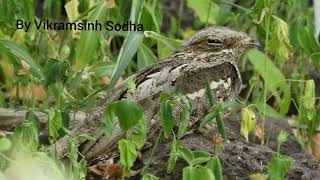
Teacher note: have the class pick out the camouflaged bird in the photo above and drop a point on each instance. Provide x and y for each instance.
(210, 55)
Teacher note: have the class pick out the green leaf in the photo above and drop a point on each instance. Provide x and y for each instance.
(166, 117)
(199, 172)
(14, 52)
(72, 10)
(136, 10)
(33, 118)
(108, 122)
(219, 119)
(216, 168)
(5, 144)
(128, 112)
(173, 44)
(204, 11)
(138, 134)
(279, 43)
(2, 99)
(274, 80)
(166, 46)
(73, 150)
(248, 122)
(184, 121)
(278, 167)
(207, 119)
(210, 95)
(89, 40)
(282, 137)
(127, 51)
(309, 98)
(54, 124)
(128, 153)
(130, 45)
(145, 57)
(26, 137)
(173, 156)
(56, 70)
(185, 154)
(149, 177)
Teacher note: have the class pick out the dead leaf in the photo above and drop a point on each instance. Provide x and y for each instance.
(111, 4)
(259, 132)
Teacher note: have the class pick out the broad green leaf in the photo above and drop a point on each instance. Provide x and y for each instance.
(129, 113)
(108, 122)
(5, 144)
(171, 163)
(127, 51)
(54, 124)
(279, 43)
(72, 10)
(269, 110)
(33, 118)
(200, 157)
(81, 170)
(14, 52)
(128, 153)
(185, 154)
(26, 137)
(199, 172)
(248, 122)
(216, 168)
(273, 78)
(56, 70)
(184, 121)
(204, 11)
(138, 134)
(166, 46)
(89, 40)
(309, 98)
(86, 136)
(145, 57)
(149, 177)
(278, 167)
(73, 150)
(307, 110)
(166, 117)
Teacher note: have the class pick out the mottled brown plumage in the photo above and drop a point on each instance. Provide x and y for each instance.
(208, 56)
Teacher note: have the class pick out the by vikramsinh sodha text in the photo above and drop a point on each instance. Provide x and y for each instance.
(85, 25)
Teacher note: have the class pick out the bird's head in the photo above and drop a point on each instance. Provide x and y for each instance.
(217, 43)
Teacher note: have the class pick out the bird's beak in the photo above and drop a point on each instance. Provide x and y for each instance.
(252, 42)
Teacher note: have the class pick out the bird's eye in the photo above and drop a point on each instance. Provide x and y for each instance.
(214, 41)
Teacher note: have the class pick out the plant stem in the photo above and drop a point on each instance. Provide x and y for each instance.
(208, 14)
(153, 151)
(268, 19)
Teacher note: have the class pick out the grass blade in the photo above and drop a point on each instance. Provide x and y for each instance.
(13, 51)
(130, 45)
(127, 51)
(89, 40)
(145, 56)
(273, 78)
